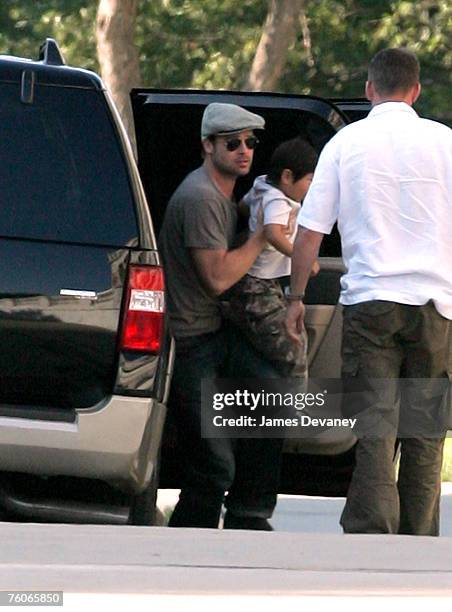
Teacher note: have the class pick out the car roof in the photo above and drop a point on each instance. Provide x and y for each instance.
(49, 69)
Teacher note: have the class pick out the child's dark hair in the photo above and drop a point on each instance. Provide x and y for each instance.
(297, 155)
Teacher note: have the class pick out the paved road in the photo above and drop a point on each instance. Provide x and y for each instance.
(160, 561)
(316, 514)
(194, 569)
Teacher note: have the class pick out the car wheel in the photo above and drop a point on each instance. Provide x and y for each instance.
(143, 508)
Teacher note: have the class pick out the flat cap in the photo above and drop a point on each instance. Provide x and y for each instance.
(219, 118)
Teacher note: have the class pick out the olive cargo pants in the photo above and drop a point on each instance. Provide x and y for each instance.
(390, 341)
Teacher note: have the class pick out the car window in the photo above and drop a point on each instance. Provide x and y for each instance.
(62, 175)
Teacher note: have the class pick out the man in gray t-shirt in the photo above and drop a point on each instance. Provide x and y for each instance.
(199, 216)
(196, 245)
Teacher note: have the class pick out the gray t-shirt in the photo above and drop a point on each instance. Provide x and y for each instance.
(198, 216)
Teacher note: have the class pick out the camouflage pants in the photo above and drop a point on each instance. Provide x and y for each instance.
(258, 308)
(387, 341)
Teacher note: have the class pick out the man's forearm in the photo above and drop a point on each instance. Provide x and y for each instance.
(237, 262)
(220, 269)
(305, 252)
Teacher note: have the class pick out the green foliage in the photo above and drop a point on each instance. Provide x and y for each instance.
(205, 44)
(26, 24)
(426, 27)
(446, 474)
(198, 43)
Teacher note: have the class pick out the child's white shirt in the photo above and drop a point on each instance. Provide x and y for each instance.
(276, 207)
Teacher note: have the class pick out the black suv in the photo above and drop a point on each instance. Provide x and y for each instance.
(85, 360)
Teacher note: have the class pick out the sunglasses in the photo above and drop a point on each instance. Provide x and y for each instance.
(234, 143)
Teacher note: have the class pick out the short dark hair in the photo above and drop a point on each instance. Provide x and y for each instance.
(296, 155)
(394, 70)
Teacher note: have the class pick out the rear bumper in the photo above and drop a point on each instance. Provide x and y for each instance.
(330, 442)
(117, 441)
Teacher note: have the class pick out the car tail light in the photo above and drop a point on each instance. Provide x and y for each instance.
(142, 328)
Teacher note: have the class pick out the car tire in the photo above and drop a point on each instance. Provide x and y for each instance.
(143, 507)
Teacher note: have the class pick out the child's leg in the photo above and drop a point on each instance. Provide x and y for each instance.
(258, 308)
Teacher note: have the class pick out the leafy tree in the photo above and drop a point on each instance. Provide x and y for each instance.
(198, 43)
(205, 44)
(25, 25)
(278, 36)
(118, 54)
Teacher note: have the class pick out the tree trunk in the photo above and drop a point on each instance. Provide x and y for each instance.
(278, 34)
(118, 56)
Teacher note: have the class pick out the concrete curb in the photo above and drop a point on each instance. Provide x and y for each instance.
(109, 559)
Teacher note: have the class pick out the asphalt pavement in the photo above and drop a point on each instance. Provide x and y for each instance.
(306, 559)
(159, 560)
(302, 514)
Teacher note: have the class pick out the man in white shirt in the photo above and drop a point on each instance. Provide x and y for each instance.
(387, 181)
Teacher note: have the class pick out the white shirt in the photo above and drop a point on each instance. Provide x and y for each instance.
(387, 180)
(277, 208)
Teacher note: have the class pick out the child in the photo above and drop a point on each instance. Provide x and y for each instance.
(257, 305)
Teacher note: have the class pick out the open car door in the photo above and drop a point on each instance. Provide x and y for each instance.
(167, 124)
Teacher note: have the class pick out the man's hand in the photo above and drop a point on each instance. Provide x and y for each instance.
(219, 269)
(259, 232)
(305, 252)
(295, 321)
(315, 268)
(259, 218)
(289, 229)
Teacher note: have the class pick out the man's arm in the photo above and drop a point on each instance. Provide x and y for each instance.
(219, 269)
(305, 252)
